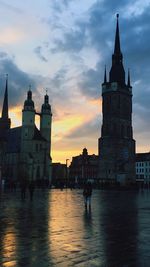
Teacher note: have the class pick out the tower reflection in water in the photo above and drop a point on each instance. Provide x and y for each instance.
(24, 234)
(66, 227)
(119, 227)
(8, 240)
(55, 229)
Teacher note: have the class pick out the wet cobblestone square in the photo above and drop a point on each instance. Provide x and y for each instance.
(55, 229)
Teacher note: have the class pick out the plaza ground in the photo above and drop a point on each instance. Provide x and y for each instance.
(55, 229)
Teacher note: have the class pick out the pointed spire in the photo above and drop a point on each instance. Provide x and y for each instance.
(117, 38)
(5, 103)
(117, 73)
(105, 76)
(129, 84)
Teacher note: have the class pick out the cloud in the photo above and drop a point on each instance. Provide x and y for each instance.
(90, 83)
(18, 80)
(79, 42)
(97, 32)
(11, 7)
(72, 41)
(90, 129)
(10, 35)
(38, 52)
(59, 6)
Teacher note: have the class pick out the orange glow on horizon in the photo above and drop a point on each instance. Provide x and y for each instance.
(62, 146)
(97, 102)
(15, 114)
(62, 127)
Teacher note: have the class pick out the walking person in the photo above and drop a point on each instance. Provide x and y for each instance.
(87, 193)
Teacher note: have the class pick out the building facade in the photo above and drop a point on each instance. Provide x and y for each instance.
(143, 168)
(116, 145)
(25, 151)
(83, 168)
(59, 174)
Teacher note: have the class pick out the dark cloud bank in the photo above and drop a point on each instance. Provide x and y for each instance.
(98, 32)
(17, 79)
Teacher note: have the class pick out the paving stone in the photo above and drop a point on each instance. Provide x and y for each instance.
(55, 230)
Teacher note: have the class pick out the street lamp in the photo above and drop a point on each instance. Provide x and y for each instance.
(67, 172)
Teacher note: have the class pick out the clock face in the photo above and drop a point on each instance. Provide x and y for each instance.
(114, 86)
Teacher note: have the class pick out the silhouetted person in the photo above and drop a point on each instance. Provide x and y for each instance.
(31, 189)
(87, 193)
(23, 186)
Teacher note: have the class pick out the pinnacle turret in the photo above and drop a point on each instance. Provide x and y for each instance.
(128, 83)
(105, 76)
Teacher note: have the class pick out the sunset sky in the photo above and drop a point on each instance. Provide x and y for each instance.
(63, 46)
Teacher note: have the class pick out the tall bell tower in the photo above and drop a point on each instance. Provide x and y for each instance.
(116, 145)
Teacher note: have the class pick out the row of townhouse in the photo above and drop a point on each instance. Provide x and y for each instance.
(143, 168)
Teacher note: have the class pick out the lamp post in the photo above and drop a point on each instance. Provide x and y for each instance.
(67, 172)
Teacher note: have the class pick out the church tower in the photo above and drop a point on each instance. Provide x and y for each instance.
(28, 121)
(116, 145)
(5, 122)
(45, 130)
(46, 121)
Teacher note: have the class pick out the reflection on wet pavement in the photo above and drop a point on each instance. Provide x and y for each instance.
(56, 230)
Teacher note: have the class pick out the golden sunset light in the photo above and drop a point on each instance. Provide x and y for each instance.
(74, 133)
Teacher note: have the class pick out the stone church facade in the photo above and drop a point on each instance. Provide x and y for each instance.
(25, 151)
(116, 144)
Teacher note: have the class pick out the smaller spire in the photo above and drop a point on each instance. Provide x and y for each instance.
(117, 38)
(5, 103)
(105, 75)
(129, 84)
